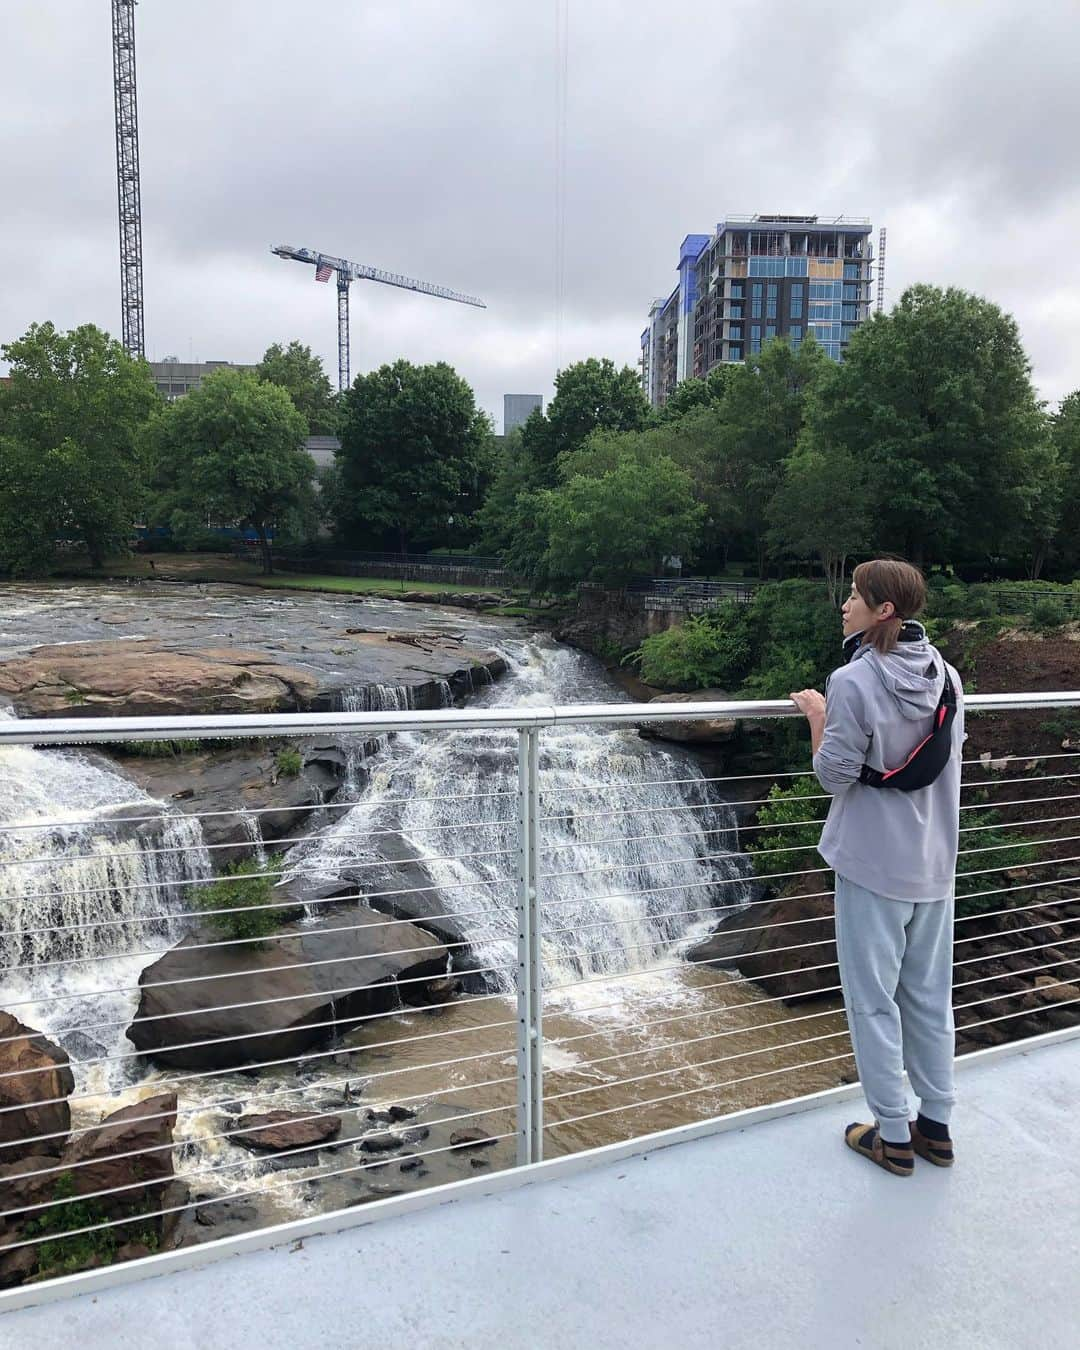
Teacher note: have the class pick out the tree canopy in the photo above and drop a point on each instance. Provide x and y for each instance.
(71, 459)
(300, 373)
(415, 451)
(233, 450)
(935, 401)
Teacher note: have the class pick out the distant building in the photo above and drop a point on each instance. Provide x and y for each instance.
(322, 450)
(756, 278)
(176, 378)
(517, 408)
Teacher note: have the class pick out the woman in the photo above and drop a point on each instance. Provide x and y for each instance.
(894, 855)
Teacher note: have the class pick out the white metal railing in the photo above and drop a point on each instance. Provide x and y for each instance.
(536, 897)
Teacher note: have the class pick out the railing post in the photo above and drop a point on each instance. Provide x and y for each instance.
(530, 1038)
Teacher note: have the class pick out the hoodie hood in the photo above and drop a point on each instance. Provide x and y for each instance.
(913, 673)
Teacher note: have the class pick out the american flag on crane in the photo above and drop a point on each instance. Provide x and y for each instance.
(323, 272)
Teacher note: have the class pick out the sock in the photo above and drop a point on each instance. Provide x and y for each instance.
(932, 1129)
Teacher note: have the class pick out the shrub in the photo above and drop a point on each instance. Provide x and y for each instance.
(1048, 613)
(244, 890)
(707, 651)
(159, 749)
(63, 1255)
(792, 819)
(796, 635)
(288, 762)
(999, 849)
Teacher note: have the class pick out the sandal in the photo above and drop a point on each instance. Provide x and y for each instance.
(899, 1159)
(936, 1151)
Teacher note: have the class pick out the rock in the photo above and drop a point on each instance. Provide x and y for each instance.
(409, 1164)
(393, 1115)
(42, 1075)
(1050, 990)
(213, 779)
(382, 1141)
(416, 1134)
(363, 961)
(143, 677)
(277, 1130)
(479, 1162)
(442, 991)
(471, 1138)
(126, 1161)
(708, 731)
(747, 940)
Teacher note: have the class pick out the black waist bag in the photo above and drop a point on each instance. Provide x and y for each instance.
(929, 757)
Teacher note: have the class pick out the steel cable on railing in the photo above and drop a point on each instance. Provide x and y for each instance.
(183, 1113)
(233, 1195)
(690, 1092)
(335, 1142)
(201, 979)
(247, 811)
(236, 1068)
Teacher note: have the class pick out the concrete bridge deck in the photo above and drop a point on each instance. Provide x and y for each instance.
(774, 1235)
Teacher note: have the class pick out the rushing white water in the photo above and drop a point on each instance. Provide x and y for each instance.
(621, 891)
(81, 888)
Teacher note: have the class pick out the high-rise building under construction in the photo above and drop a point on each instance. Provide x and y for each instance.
(757, 278)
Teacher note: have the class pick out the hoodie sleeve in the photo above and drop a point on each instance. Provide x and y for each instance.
(842, 753)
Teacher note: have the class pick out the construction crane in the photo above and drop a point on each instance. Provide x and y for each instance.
(881, 271)
(127, 177)
(348, 272)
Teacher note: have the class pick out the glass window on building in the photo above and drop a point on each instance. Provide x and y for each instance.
(755, 309)
(737, 290)
(734, 311)
(755, 289)
(770, 331)
(736, 353)
(852, 293)
(795, 333)
(735, 332)
(755, 337)
(796, 267)
(852, 271)
(851, 314)
(770, 308)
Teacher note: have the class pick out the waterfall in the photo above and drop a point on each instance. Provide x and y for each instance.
(664, 856)
(82, 875)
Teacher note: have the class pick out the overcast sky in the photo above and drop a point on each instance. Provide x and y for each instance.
(420, 136)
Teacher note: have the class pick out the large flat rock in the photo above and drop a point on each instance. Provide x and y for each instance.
(145, 676)
(343, 966)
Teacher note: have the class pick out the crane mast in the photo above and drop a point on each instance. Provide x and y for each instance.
(348, 272)
(127, 177)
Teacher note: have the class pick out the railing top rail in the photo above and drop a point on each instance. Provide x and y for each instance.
(83, 730)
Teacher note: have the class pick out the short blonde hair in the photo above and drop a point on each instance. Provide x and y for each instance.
(894, 580)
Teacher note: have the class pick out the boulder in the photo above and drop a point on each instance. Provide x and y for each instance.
(129, 1155)
(214, 780)
(709, 731)
(41, 1083)
(381, 1141)
(748, 942)
(471, 1138)
(319, 981)
(277, 1130)
(143, 677)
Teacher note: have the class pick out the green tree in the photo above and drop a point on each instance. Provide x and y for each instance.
(414, 447)
(628, 519)
(707, 651)
(820, 510)
(760, 421)
(1065, 433)
(936, 403)
(693, 394)
(71, 421)
(298, 371)
(233, 450)
(589, 394)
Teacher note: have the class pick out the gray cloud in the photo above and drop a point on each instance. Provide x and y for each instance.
(420, 136)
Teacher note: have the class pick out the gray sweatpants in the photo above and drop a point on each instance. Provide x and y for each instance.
(896, 971)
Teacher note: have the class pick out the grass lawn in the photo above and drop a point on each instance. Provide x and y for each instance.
(221, 567)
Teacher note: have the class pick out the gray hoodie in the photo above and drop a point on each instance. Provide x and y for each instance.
(901, 845)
